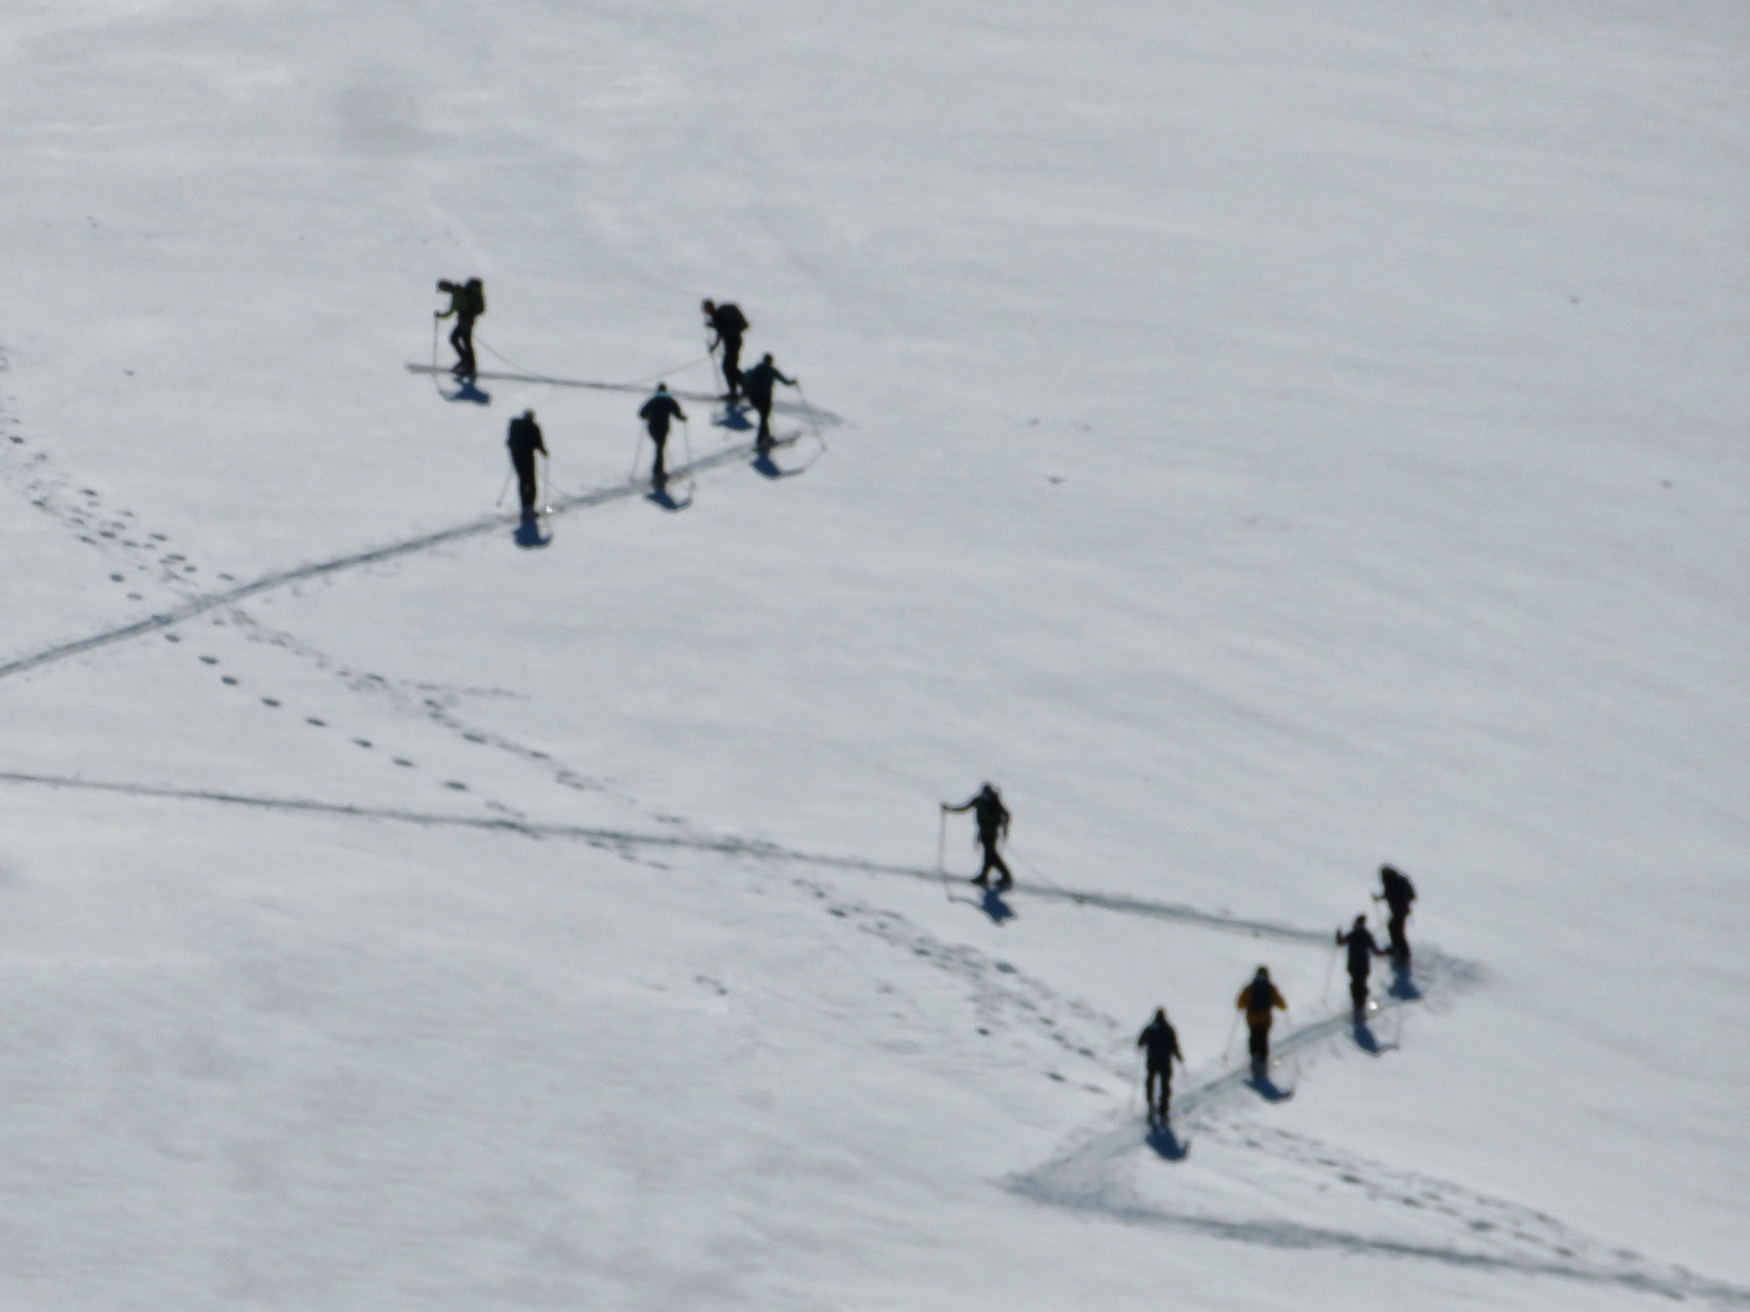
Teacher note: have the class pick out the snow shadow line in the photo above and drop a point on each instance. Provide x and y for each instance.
(282, 578)
(724, 845)
(780, 407)
(1290, 1234)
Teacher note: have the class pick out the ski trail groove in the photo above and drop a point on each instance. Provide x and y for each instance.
(826, 417)
(283, 578)
(726, 845)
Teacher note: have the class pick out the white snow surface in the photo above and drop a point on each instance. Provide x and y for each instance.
(1267, 440)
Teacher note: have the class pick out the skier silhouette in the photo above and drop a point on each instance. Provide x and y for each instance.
(467, 303)
(993, 827)
(1260, 1001)
(656, 413)
(757, 383)
(1397, 892)
(1362, 951)
(728, 324)
(1162, 1043)
(524, 439)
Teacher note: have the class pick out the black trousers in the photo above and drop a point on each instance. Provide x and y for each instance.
(462, 338)
(1400, 943)
(1358, 995)
(659, 473)
(732, 364)
(1164, 1075)
(1258, 1041)
(763, 405)
(993, 861)
(525, 478)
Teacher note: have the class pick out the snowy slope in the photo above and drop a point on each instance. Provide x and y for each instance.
(1265, 442)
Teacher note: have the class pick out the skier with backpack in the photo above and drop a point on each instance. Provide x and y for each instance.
(1260, 1001)
(467, 303)
(1362, 951)
(1397, 892)
(1162, 1044)
(524, 439)
(993, 826)
(727, 323)
(757, 383)
(657, 413)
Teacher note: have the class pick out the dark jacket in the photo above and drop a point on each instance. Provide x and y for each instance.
(991, 814)
(757, 383)
(1162, 1044)
(658, 411)
(1399, 891)
(1362, 949)
(524, 438)
(728, 323)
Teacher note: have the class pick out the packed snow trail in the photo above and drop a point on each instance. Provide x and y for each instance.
(267, 583)
(722, 844)
(778, 407)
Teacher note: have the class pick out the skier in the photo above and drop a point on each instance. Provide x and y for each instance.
(1162, 1043)
(1362, 951)
(1397, 892)
(656, 414)
(1260, 1001)
(757, 383)
(993, 827)
(728, 323)
(524, 439)
(467, 303)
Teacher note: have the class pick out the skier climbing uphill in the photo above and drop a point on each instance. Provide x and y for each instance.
(1260, 1001)
(1162, 1044)
(993, 826)
(524, 439)
(1362, 951)
(657, 413)
(1397, 892)
(757, 383)
(727, 324)
(467, 303)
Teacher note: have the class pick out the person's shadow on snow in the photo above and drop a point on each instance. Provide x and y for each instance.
(1402, 986)
(1166, 1144)
(1267, 1089)
(659, 496)
(1367, 1042)
(992, 904)
(528, 534)
(767, 467)
(733, 415)
(468, 392)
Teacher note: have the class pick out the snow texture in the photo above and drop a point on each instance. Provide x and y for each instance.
(1267, 441)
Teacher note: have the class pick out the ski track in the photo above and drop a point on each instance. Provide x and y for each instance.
(282, 578)
(815, 415)
(1006, 1004)
(1497, 1235)
(724, 845)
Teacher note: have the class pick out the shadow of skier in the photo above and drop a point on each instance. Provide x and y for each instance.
(1267, 1089)
(469, 392)
(1166, 1144)
(528, 534)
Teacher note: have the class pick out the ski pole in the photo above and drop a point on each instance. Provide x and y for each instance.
(687, 445)
(942, 850)
(545, 496)
(1330, 966)
(810, 409)
(1229, 1045)
(711, 351)
(637, 450)
(504, 489)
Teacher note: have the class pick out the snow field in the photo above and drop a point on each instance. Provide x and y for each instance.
(1274, 443)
